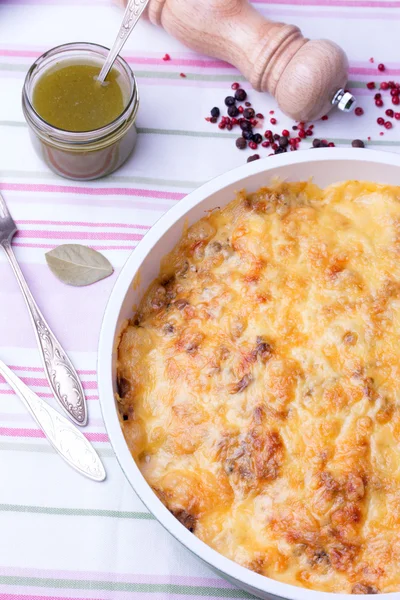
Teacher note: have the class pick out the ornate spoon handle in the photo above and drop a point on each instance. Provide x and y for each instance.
(69, 442)
(132, 15)
(62, 377)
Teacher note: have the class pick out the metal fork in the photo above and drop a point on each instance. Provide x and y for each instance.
(61, 375)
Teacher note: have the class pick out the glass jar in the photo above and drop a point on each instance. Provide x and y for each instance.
(89, 154)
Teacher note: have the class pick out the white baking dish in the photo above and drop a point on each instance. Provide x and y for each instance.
(325, 166)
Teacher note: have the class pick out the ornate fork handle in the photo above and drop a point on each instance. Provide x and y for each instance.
(132, 15)
(62, 377)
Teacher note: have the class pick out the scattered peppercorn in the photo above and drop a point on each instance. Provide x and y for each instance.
(283, 141)
(285, 133)
(259, 116)
(388, 125)
(222, 125)
(240, 95)
(384, 85)
(359, 111)
(257, 138)
(377, 96)
(244, 125)
(233, 111)
(302, 134)
(379, 102)
(397, 116)
(295, 128)
(213, 119)
(394, 92)
(253, 145)
(166, 57)
(280, 150)
(395, 100)
(253, 157)
(268, 133)
(240, 109)
(241, 143)
(265, 144)
(230, 101)
(273, 121)
(316, 143)
(380, 121)
(371, 85)
(274, 146)
(381, 67)
(249, 113)
(324, 118)
(182, 75)
(247, 103)
(357, 144)
(331, 145)
(215, 112)
(247, 135)
(235, 86)
(389, 113)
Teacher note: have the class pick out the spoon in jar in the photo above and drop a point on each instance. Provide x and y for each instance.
(131, 16)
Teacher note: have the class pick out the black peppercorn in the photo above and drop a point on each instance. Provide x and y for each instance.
(233, 111)
(249, 113)
(283, 141)
(230, 101)
(358, 144)
(316, 143)
(257, 138)
(240, 95)
(280, 150)
(253, 157)
(215, 112)
(241, 143)
(245, 125)
(247, 135)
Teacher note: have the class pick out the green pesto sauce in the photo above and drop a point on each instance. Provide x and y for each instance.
(71, 98)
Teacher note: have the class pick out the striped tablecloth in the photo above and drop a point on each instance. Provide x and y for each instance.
(62, 536)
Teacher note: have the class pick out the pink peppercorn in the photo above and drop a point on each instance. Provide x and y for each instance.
(259, 116)
(397, 116)
(309, 132)
(166, 57)
(384, 85)
(381, 67)
(273, 121)
(324, 118)
(253, 145)
(271, 112)
(377, 96)
(285, 132)
(182, 75)
(235, 85)
(359, 111)
(221, 125)
(371, 85)
(265, 144)
(240, 109)
(274, 146)
(389, 113)
(395, 100)
(379, 102)
(331, 145)
(388, 125)
(380, 121)
(302, 133)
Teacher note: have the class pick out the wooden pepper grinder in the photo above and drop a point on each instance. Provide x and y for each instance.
(307, 77)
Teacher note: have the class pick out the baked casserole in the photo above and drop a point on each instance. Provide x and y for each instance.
(259, 384)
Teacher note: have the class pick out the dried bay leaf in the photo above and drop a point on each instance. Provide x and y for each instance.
(78, 265)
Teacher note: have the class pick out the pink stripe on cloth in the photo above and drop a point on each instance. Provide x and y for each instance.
(11, 392)
(40, 370)
(38, 433)
(87, 385)
(77, 235)
(82, 223)
(50, 246)
(14, 571)
(90, 191)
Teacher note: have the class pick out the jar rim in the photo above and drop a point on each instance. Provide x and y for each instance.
(79, 137)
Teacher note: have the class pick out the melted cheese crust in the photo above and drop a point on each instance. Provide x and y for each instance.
(259, 384)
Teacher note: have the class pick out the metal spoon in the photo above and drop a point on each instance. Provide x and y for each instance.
(132, 15)
(69, 442)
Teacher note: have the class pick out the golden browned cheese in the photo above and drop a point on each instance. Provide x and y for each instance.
(259, 384)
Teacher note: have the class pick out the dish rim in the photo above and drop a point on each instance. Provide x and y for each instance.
(238, 575)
